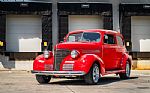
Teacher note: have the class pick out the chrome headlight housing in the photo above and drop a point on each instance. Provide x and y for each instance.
(74, 53)
(46, 54)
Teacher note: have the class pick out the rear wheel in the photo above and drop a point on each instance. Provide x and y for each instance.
(43, 79)
(126, 75)
(93, 76)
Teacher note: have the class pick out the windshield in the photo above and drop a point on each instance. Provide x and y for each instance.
(84, 37)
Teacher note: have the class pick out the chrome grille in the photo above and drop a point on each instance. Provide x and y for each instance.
(68, 67)
(60, 54)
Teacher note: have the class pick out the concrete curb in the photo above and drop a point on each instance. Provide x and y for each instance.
(22, 71)
(141, 65)
(141, 72)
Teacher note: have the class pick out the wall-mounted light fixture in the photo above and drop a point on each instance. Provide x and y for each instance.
(24, 5)
(85, 6)
(146, 6)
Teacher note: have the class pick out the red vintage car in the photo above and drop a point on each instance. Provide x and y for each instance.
(89, 54)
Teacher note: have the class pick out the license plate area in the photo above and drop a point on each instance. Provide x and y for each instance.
(48, 67)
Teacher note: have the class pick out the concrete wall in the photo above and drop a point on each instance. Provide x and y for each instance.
(5, 64)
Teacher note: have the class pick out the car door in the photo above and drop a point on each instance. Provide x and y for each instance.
(109, 51)
(120, 49)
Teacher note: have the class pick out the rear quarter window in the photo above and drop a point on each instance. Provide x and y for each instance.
(120, 41)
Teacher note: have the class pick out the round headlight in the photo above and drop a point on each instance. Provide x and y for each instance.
(46, 54)
(74, 53)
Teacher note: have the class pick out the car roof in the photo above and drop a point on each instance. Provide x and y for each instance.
(94, 30)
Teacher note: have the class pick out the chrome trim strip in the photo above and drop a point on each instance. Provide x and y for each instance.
(60, 73)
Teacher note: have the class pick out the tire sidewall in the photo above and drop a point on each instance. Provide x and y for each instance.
(43, 79)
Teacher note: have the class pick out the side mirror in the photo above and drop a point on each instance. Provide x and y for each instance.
(64, 39)
(61, 41)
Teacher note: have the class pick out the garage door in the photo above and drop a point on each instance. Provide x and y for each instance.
(140, 33)
(77, 22)
(23, 33)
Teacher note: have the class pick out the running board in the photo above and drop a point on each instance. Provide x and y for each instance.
(114, 72)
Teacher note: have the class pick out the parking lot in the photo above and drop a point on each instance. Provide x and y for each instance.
(24, 82)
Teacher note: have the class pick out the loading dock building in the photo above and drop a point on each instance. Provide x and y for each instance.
(28, 26)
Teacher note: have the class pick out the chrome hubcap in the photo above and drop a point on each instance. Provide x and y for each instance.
(127, 69)
(96, 74)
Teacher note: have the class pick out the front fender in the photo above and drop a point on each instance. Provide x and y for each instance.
(40, 63)
(89, 59)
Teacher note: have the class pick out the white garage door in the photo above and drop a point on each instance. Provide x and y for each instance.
(140, 33)
(23, 33)
(78, 22)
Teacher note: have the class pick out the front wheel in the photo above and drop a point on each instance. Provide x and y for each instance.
(43, 79)
(126, 75)
(93, 76)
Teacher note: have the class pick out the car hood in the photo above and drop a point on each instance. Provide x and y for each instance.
(78, 45)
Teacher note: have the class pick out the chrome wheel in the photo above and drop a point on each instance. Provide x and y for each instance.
(126, 74)
(127, 70)
(96, 73)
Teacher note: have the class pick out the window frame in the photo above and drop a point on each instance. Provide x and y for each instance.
(100, 36)
(114, 37)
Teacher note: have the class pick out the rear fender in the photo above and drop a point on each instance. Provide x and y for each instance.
(90, 59)
(126, 58)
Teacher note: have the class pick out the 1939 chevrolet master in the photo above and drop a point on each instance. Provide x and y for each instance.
(85, 53)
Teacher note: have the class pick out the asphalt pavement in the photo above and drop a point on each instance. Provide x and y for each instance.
(25, 82)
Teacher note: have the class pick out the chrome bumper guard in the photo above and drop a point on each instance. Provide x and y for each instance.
(59, 73)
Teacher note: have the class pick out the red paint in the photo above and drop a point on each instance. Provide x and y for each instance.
(108, 56)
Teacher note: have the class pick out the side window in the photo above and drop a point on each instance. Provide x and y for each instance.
(109, 39)
(119, 41)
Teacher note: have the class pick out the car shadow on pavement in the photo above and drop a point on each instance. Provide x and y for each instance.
(102, 81)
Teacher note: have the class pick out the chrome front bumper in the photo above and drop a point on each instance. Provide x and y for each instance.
(59, 73)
